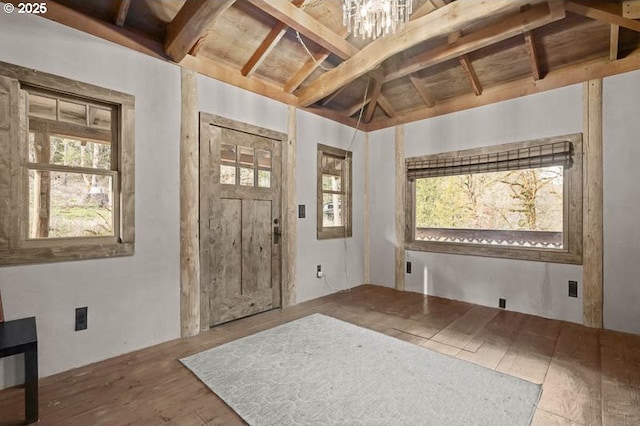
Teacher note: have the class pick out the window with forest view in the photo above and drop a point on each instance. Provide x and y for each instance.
(519, 200)
(71, 170)
(507, 201)
(68, 162)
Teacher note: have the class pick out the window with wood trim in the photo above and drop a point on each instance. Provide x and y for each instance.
(334, 192)
(521, 200)
(68, 188)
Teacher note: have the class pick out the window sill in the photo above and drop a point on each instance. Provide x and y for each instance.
(517, 253)
(333, 233)
(67, 252)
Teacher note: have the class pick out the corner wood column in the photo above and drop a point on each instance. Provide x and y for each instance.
(400, 217)
(189, 193)
(290, 217)
(592, 269)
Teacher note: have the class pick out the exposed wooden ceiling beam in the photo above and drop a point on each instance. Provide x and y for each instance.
(305, 71)
(528, 20)
(610, 13)
(533, 55)
(631, 9)
(375, 94)
(123, 10)
(467, 66)
(307, 25)
(573, 74)
(190, 25)
(439, 22)
(227, 74)
(72, 18)
(614, 39)
(422, 91)
(386, 106)
(267, 45)
(330, 98)
(349, 111)
(426, 8)
(310, 66)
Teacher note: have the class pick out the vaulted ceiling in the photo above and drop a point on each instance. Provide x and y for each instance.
(452, 55)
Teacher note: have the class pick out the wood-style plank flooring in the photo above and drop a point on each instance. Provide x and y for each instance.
(589, 376)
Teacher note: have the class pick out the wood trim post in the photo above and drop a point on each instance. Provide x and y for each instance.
(592, 269)
(367, 230)
(289, 209)
(189, 212)
(400, 195)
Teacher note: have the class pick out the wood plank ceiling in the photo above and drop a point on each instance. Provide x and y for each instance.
(453, 55)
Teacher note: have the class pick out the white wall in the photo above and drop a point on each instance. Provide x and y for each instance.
(622, 202)
(133, 301)
(531, 287)
(342, 259)
(382, 220)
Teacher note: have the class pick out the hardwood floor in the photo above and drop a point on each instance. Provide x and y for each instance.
(589, 376)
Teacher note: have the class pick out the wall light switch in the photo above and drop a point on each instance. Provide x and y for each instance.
(301, 211)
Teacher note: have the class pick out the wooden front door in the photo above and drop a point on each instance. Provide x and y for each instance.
(240, 178)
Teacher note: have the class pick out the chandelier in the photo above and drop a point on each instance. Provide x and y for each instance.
(375, 18)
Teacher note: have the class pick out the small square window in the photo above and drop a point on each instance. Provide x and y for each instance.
(245, 156)
(227, 175)
(246, 177)
(264, 179)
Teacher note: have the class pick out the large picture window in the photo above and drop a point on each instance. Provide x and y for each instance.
(520, 200)
(67, 187)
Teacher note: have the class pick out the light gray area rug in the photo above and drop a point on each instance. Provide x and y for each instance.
(322, 371)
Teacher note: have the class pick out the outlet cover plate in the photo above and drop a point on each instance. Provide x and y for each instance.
(81, 318)
(502, 303)
(573, 288)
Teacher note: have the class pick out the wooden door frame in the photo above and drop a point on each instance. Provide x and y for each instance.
(287, 293)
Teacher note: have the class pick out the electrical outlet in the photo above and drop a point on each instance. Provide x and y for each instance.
(81, 318)
(302, 211)
(573, 288)
(408, 267)
(502, 303)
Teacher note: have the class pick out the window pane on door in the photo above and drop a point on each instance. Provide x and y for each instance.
(246, 177)
(228, 153)
(246, 155)
(227, 175)
(264, 159)
(264, 178)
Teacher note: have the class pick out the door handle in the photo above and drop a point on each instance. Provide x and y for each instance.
(276, 234)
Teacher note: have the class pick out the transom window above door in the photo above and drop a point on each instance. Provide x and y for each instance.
(245, 166)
